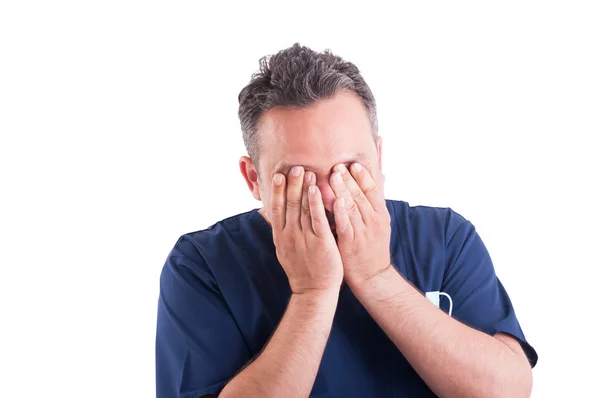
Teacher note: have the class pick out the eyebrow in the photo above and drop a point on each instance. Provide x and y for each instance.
(285, 167)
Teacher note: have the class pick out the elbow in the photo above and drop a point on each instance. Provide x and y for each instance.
(517, 384)
(514, 376)
(522, 383)
(525, 384)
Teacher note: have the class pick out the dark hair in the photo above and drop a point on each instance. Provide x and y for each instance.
(298, 77)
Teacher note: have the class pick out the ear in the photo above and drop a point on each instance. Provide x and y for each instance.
(250, 173)
(379, 148)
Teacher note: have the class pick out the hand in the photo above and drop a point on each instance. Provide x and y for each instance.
(305, 245)
(362, 223)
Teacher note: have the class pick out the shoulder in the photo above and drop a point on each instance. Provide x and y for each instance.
(424, 241)
(194, 249)
(442, 222)
(418, 212)
(233, 226)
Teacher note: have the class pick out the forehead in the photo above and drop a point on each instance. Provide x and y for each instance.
(328, 132)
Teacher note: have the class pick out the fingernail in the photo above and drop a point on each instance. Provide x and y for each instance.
(296, 171)
(307, 177)
(277, 179)
(357, 167)
(341, 168)
(312, 189)
(337, 177)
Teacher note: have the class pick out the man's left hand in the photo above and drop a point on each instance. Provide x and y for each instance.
(362, 223)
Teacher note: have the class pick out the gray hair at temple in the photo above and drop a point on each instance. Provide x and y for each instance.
(298, 77)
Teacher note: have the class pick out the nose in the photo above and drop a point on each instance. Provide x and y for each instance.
(327, 194)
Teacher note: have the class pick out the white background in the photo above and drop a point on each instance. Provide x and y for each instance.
(119, 133)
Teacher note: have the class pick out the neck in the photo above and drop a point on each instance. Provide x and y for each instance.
(263, 213)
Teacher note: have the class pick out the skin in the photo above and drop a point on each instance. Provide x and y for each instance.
(337, 182)
(316, 138)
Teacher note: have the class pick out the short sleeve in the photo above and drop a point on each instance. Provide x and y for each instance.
(199, 347)
(478, 297)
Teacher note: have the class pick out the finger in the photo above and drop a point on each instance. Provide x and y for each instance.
(305, 212)
(343, 225)
(278, 202)
(294, 196)
(341, 191)
(368, 186)
(364, 206)
(320, 224)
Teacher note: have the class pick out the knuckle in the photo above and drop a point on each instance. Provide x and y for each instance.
(305, 210)
(316, 223)
(319, 225)
(383, 226)
(344, 229)
(294, 203)
(276, 209)
(387, 219)
(383, 219)
(288, 241)
(379, 222)
(352, 207)
(356, 195)
(371, 189)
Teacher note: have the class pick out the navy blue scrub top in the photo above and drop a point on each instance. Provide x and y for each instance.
(223, 293)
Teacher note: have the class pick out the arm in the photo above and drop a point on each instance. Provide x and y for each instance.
(199, 347)
(307, 252)
(452, 358)
(288, 365)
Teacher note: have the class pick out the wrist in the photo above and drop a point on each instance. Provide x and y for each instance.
(317, 298)
(366, 281)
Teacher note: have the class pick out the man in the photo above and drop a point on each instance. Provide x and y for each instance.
(330, 290)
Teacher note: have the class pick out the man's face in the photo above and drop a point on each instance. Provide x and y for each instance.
(317, 138)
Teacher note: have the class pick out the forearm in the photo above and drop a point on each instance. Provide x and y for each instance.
(452, 358)
(288, 365)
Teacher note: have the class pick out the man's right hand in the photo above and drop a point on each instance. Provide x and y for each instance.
(288, 365)
(305, 244)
